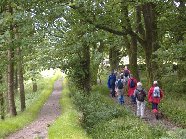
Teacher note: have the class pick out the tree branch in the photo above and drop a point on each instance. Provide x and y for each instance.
(99, 26)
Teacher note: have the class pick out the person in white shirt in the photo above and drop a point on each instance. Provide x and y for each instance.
(140, 95)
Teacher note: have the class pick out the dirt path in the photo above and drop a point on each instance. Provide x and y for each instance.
(50, 111)
(149, 116)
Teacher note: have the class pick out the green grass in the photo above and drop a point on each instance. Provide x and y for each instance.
(12, 124)
(67, 126)
(173, 104)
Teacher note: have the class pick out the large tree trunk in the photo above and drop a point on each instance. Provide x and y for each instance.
(180, 38)
(21, 80)
(148, 60)
(34, 85)
(11, 101)
(132, 45)
(95, 65)
(86, 68)
(133, 58)
(15, 80)
(20, 74)
(114, 58)
(2, 110)
(2, 106)
(151, 40)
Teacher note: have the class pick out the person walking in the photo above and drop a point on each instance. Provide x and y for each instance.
(111, 83)
(140, 95)
(120, 89)
(126, 74)
(155, 95)
(132, 84)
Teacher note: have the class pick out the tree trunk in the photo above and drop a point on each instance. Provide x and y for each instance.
(94, 73)
(16, 80)
(2, 106)
(151, 40)
(34, 84)
(12, 107)
(132, 45)
(21, 80)
(11, 101)
(148, 54)
(114, 58)
(133, 58)
(180, 39)
(20, 73)
(95, 64)
(86, 68)
(2, 110)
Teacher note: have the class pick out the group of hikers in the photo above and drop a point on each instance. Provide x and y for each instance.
(122, 82)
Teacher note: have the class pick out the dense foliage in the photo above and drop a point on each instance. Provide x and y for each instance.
(77, 36)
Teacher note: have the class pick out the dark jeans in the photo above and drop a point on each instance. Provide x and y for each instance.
(155, 106)
(113, 91)
(121, 99)
(133, 99)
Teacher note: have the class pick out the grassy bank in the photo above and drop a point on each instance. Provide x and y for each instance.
(11, 124)
(174, 102)
(67, 126)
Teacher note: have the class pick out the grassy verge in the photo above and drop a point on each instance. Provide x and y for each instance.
(174, 109)
(12, 124)
(67, 126)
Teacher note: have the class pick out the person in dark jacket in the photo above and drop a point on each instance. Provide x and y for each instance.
(111, 83)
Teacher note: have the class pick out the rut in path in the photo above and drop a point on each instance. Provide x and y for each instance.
(50, 111)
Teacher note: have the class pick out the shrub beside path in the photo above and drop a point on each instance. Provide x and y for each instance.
(49, 112)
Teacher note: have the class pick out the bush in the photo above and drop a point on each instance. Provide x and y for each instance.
(96, 108)
(173, 104)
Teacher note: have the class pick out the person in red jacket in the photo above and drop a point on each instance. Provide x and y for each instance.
(132, 84)
(155, 94)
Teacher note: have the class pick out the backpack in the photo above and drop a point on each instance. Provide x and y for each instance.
(140, 95)
(126, 73)
(120, 84)
(132, 83)
(156, 92)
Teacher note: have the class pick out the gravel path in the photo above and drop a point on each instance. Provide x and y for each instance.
(50, 111)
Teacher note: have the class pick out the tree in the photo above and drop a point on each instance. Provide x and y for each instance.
(10, 74)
